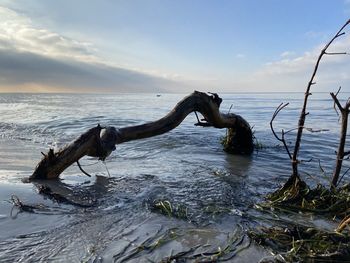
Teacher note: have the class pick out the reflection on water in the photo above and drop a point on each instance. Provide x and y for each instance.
(185, 166)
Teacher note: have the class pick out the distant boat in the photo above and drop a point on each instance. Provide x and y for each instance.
(158, 95)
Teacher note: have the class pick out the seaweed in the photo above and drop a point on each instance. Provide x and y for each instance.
(303, 244)
(147, 246)
(297, 196)
(235, 243)
(170, 209)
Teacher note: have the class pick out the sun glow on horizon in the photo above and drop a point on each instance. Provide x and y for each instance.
(176, 47)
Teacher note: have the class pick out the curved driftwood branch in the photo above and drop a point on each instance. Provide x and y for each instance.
(100, 142)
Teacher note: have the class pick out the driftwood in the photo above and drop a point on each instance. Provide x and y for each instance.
(100, 141)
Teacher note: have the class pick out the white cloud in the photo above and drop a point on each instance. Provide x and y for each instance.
(287, 54)
(292, 74)
(240, 56)
(76, 63)
(18, 32)
(32, 56)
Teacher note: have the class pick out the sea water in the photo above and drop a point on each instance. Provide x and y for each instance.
(186, 167)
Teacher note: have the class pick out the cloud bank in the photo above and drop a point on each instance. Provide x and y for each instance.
(36, 59)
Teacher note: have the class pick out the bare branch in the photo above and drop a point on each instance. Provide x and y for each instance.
(334, 105)
(278, 109)
(230, 109)
(346, 153)
(201, 123)
(347, 105)
(301, 121)
(285, 145)
(282, 139)
(341, 178)
(321, 168)
(291, 130)
(308, 129)
(82, 170)
(335, 53)
(340, 152)
(315, 131)
(346, 158)
(336, 94)
(306, 161)
(336, 102)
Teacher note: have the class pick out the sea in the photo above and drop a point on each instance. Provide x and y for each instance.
(176, 196)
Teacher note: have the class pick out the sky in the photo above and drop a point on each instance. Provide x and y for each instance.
(171, 46)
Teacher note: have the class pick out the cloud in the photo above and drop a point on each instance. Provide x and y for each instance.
(25, 70)
(286, 54)
(37, 59)
(17, 32)
(292, 74)
(34, 58)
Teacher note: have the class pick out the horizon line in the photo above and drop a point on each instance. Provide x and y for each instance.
(219, 92)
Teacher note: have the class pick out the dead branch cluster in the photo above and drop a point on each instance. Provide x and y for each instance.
(344, 111)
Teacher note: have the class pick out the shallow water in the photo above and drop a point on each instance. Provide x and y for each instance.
(185, 166)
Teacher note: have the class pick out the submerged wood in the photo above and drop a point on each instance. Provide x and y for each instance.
(100, 142)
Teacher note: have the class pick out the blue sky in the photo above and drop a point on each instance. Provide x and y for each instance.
(176, 46)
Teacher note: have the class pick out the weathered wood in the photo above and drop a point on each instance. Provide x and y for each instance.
(100, 142)
(303, 113)
(344, 111)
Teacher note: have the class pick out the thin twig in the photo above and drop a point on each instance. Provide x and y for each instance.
(341, 178)
(321, 168)
(336, 94)
(306, 161)
(347, 105)
(290, 130)
(335, 53)
(109, 175)
(336, 102)
(81, 169)
(197, 116)
(334, 105)
(200, 123)
(230, 109)
(282, 139)
(315, 131)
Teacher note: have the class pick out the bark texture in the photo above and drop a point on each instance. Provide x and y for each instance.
(100, 142)
(344, 111)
